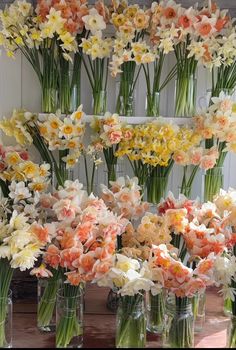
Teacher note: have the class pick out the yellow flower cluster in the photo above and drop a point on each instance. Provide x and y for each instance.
(155, 142)
(97, 47)
(64, 134)
(16, 126)
(22, 27)
(15, 165)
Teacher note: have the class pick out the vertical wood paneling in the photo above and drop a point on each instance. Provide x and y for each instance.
(10, 86)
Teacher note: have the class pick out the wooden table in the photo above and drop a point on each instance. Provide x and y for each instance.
(99, 324)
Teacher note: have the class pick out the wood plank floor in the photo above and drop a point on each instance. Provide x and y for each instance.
(99, 324)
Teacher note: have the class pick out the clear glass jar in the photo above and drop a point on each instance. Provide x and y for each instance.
(153, 105)
(185, 190)
(198, 304)
(231, 332)
(156, 188)
(213, 180)
(185, 95)
(227, 308)
(6, 321)
(178, 330)
(69, 317)
(46, 311)
(99, 102)
(131, 322)
(125, 100)
(155, 312)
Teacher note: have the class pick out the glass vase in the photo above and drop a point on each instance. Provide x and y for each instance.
(125, 105)
(69, 317)
(185, 95)
(153, 105)
(231, 332)
(227, 307)
(6, 321)
(46, 310)
(198, 305)
(131, 322)
(114, 171)
(155, 312)
(156, 188)
(49, 82)
(178, 329)
(69, 85)
(212, 182)
(186, 191)
(99, 102)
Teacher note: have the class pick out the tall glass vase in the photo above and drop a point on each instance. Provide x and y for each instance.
(69, 85)
(6, 321)
(99, 102)
(198, 305)
(49, 81)
(69, 317)
(46, 311)
(153, 105)
(125, 105)
(185, 95)
(231, 332)
(156, 188)
(179, 323)
(155, 312)
(131, 322)
(212, 182)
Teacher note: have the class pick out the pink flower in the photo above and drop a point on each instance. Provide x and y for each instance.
(226, 105)
(115, 136)
(41, 271)
(65, 210)
(195, 155)
(24, 155)
(207, 162)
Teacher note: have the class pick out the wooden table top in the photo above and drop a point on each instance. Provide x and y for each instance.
(99, 324)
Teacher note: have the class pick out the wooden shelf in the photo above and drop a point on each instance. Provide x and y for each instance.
(139, 119)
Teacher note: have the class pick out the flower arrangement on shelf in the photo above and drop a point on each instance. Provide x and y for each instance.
(85, 233)
(130, 22)
(108, 133)
(42, 35)
(150, 150)
(49, 134)
(217, 127)
(97, 50)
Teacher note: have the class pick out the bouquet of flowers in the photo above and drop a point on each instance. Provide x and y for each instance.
(22, 237)
(108, 135)
(217, 127)
(131, 23)
(132, 280)
(182, 284)
(46, 40)
(97, 50)
(124, 198)
(48, 135)
(85, 234)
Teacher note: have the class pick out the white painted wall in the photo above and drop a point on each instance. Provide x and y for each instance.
(19, 88)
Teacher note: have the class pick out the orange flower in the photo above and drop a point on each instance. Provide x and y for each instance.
(73, 277)
(205, 29)
(87, 261)
(67, 240)
(169, 13)
(52, 256)
(184, 21)
(41, 232)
